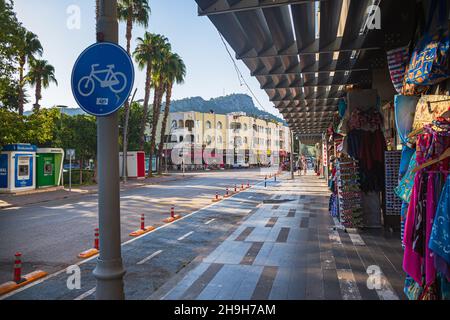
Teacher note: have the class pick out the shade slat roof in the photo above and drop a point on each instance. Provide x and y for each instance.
(304, 71)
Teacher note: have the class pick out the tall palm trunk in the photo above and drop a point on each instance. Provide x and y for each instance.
(164, 125)
(21, 95)
(127, 102)
(146, 99)
(38, 95)
(156, 111)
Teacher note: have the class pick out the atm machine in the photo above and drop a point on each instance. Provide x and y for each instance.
(17, 168)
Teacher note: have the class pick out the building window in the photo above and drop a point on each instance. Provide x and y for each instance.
(219, 125)
(181, 138)
(208, 140)
(245, 140)
(219, 139)
(174, 124)
(181, 124)
(208, 124)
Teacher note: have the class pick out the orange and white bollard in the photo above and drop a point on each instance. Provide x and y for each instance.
(142, 222)
(17, 267)
(227, 194)
(248, 184)
(216, 198)
(96, 241)
(242, 187)
(93, 251)
(18, 280)
(235, 188)
(173, 216)
(143, 229)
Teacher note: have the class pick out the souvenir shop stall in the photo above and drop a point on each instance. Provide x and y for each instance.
(420, 74)
(357, 141)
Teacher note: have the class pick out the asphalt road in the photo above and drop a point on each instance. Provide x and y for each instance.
(50, 235)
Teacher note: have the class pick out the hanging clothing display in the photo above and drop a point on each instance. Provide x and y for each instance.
(366, 143)
(423, 260)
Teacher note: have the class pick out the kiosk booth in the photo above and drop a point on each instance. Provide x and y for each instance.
(17, 168)
(49, 167)
(135, 164)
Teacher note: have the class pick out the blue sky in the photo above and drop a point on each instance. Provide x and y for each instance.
(210, 72)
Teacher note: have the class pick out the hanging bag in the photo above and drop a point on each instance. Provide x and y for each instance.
(429, 59)
(397, 61)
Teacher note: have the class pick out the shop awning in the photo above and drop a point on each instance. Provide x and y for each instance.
(304, 52)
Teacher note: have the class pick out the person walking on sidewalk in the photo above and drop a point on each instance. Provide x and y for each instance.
(304, 165)
(300, 166)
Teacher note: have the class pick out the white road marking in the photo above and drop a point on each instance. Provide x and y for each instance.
(386, 292)
(356, 239)
(335, 238)
(347, 282)
(86, 294)
(208, 222)
(185, 236)
(154, 254)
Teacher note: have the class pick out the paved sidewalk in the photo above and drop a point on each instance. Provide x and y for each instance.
(290, 248)
(40, 196)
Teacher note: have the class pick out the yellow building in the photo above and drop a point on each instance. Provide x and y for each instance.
(233, 140)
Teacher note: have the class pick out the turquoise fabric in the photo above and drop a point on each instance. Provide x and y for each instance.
(440, 234)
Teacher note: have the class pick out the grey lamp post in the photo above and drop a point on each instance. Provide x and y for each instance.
(109, 271)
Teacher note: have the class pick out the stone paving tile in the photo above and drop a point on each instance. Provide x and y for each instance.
(233, 252)
(203, 281)
(252, 252)
(251, 275)
(259, 235)
(264, 285)
(244, 234)
(271, 222)
(283, 235)
(187, 282)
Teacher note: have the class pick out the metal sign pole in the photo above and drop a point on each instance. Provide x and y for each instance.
(109, 271)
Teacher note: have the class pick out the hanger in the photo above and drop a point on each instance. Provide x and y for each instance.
(444, 155)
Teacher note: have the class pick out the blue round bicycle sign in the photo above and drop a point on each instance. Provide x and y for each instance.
(102, 78)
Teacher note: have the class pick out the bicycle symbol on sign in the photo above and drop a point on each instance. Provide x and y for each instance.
(115, 81)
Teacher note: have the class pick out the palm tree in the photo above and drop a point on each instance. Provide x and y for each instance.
(175, 73)
(29, 45)
(131, 11)
(158, 83)
(147, 50)
(41, 74)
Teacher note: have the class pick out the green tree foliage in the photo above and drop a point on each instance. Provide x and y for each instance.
(9, 30)
(134, 122)
(79, 133)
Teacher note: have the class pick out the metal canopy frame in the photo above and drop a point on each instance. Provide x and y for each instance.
(303, 70)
